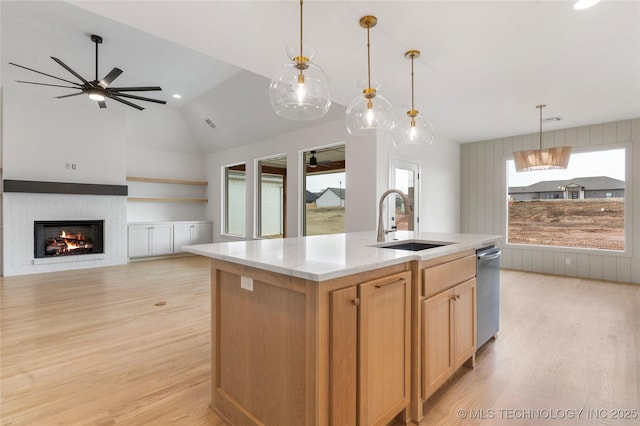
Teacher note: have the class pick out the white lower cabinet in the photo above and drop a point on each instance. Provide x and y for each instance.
(185, 234)
(164, 238)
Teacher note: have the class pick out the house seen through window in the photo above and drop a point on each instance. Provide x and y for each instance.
(582, 206)
(325, 188)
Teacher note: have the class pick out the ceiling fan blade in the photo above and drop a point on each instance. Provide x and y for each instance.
(135, 89)
(48, 75)
(73, 94)
(66, 67)
(102, 104)
(113, 74)
(140, 98)
(116, 98)
(46, 84)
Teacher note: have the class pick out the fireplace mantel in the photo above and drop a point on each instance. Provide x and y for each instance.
(42, 187)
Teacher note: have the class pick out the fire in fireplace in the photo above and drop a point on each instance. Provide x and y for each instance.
(67, 238)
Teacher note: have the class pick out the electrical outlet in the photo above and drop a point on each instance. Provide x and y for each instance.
(246, 283)
(73, 166)
(67, 166)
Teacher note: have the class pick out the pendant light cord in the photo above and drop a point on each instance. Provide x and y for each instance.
(540, 108)
(412, 106)
(368, 59)
(301, 30)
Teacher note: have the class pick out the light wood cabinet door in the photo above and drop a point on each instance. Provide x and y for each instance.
(464, 321)
(437, 341)
(384, 353)
(343, 356)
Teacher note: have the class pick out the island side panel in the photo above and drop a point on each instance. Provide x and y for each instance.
(263, 346)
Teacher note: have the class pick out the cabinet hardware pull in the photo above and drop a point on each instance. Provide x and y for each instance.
(401, 280)
(453, 298)
(356, 301)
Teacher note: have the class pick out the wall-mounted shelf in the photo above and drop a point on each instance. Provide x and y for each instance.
(162, 180)
(168, 199)
(155, 199)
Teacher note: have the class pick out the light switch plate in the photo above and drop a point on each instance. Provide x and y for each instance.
(246, 283)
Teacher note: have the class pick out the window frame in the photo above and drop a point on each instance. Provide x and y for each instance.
(302, 208)
(257, 213)
(225, 200)
(628, 206)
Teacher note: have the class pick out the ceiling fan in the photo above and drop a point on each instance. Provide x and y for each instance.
(314, 163)
(98, 90)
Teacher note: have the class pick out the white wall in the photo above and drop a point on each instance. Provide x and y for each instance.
(439, 180)
(483, 198)
(42, 135)
(367, 177)
(360, 157)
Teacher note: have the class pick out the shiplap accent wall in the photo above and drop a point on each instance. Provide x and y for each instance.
(483, 201)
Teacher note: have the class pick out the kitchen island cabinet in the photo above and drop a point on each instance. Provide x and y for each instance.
(320, 330)
(293, 352)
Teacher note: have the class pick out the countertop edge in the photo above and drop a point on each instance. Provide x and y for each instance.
(481, 241)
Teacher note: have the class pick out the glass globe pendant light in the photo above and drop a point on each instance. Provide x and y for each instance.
(301, 90)
(414, 129)
(370, 110)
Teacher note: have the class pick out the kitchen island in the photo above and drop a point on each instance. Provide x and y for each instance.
(334, 329)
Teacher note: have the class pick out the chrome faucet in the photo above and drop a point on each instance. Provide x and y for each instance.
(381, 231)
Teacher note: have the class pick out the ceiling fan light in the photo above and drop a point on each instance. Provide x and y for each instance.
(96, 95)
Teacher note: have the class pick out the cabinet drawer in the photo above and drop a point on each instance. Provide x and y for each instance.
(446, 275)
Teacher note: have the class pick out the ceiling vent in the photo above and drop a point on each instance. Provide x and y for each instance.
(210, 123)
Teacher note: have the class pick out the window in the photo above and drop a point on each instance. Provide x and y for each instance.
(324, 189)
(272, 182)
(405, 177)
(582, 206)
(235, 183)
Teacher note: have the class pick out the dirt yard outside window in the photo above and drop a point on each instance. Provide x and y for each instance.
(590, 223)
(327, 220)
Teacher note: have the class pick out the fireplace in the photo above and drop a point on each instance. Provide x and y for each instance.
(67, 237)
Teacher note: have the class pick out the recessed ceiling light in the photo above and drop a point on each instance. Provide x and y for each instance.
(585, 4)
(177, 96)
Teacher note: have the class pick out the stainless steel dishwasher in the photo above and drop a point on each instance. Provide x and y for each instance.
(487, 293)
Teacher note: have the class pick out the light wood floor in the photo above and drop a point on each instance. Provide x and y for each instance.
(91, 347)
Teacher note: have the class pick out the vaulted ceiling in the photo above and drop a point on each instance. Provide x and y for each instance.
(484, 64)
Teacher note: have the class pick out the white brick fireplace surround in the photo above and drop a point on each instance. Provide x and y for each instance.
(22, 209)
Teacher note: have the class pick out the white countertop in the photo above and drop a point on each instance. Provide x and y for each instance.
(325, 257)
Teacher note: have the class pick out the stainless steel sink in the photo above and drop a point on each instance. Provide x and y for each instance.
(414, 245)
